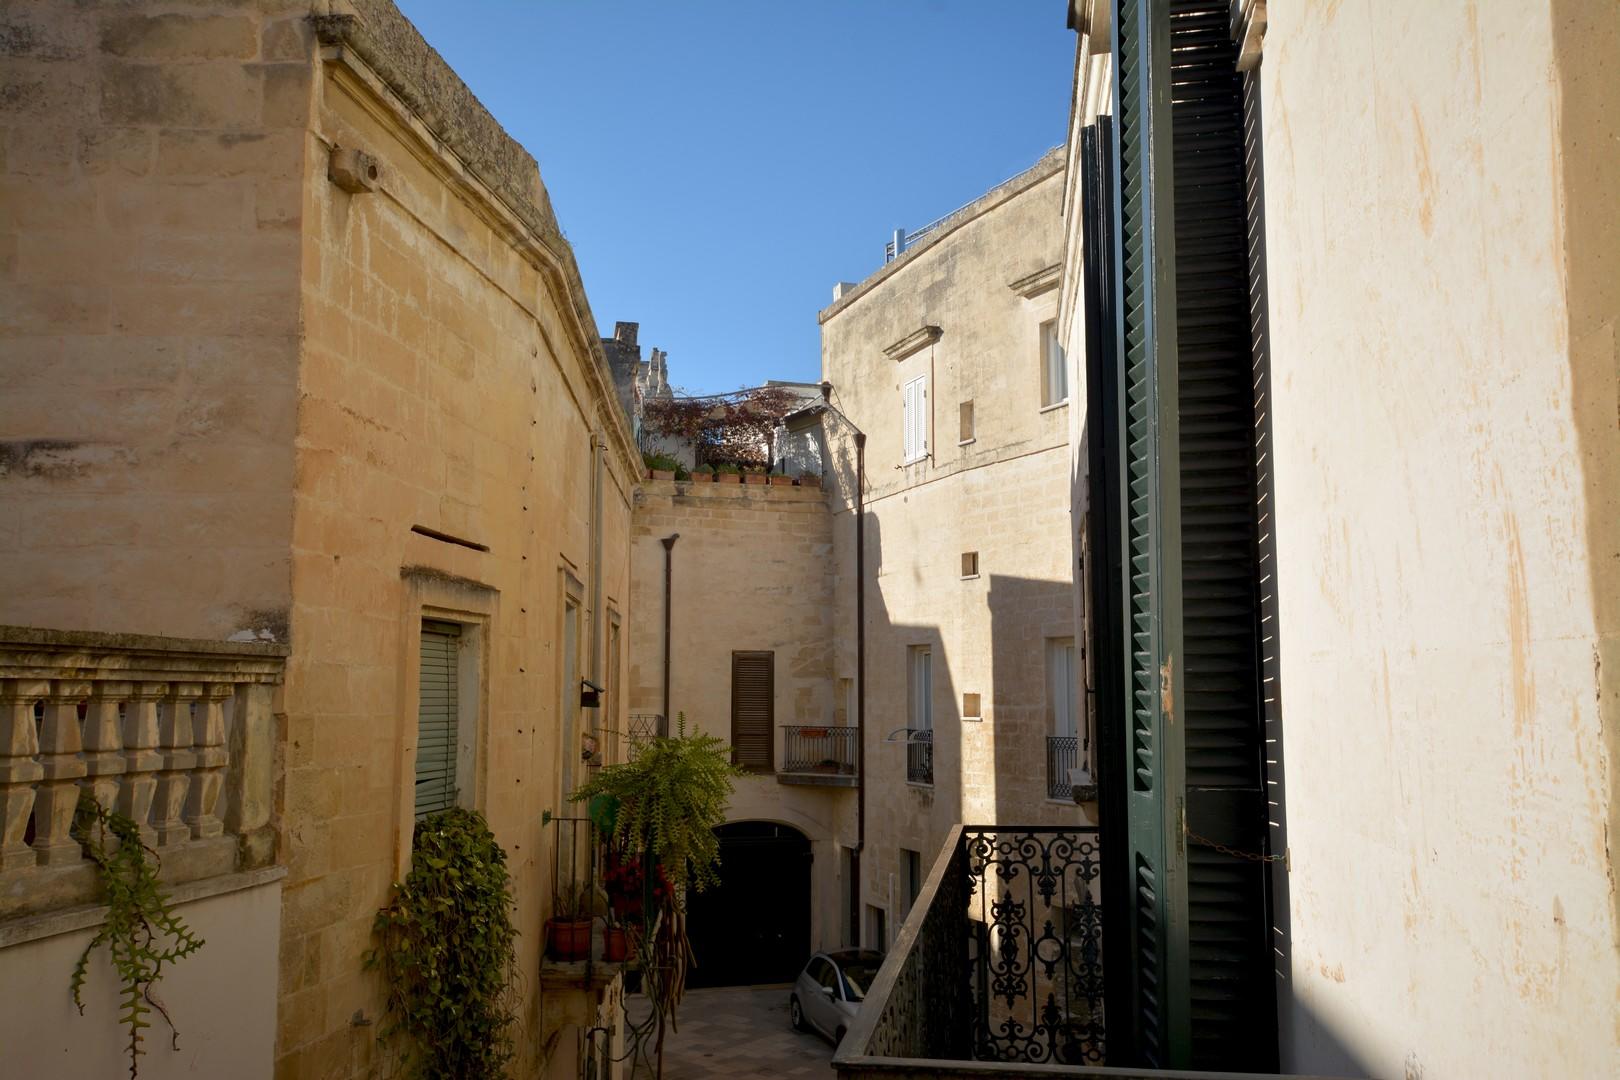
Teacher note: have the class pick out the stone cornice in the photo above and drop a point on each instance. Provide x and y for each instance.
(28, 652)
(381, 46)
(1040, 281)
(912, 342)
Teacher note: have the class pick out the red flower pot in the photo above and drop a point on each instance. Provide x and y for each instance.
(613, 944)
(568, 939)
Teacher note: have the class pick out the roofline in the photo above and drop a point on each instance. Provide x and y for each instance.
(1050, 164)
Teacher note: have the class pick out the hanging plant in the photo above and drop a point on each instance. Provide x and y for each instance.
(142, 933)
(445, 947)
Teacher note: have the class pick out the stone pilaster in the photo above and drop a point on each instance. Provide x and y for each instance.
(19, 768)
(60, 743)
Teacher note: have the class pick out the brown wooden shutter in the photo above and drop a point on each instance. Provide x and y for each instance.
(753, 713)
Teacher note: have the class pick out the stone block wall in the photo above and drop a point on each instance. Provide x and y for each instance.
(149, 251)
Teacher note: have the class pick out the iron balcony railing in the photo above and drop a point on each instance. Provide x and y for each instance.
(823, 750)
(999, 963)
(643, 729)
(919, 756)
(1062, 755)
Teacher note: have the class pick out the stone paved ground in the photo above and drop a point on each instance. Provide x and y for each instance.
(739, 1031)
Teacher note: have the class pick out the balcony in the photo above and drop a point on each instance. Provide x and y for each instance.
(998, 967)
(919, 756)
(1062, 755)
(818, 756)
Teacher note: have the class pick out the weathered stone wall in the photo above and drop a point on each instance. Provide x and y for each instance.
(448, 385)
(1442, 310)
(1004, 494)
(149, 219)
(752, 570)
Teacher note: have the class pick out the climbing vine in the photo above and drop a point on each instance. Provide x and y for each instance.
(445, 947)
(142, 933)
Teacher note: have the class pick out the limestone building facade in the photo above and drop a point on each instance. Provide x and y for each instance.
(296, 357)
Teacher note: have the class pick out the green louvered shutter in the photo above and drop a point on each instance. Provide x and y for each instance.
(1199, 983)
(436, 721)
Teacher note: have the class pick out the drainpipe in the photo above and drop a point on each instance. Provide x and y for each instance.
(860, 679)
(669, 575)
(599, 454)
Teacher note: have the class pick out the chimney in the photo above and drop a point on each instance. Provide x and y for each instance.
(625, 332)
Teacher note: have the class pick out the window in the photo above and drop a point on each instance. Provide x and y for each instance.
(914, 419)
(971, 709)
(877, 928)
(966, 417)
(753, 712)
(438, 718)
(913, 868)
(610, 721)
(569, 705)
(1054, 367)
(846, 876)
(920, 688)
(970, 564)
(1060, 686)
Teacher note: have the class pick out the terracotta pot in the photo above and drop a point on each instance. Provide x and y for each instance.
(613, 944)
(662, 474)
(780, 481)
(755, 478)
(810, 481)
(703, 478)
(568, 939)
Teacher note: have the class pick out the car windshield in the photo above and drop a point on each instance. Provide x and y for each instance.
(857, 977)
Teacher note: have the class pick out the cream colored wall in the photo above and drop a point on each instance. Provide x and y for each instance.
(1005, 495)
(149, 217)
(447, 385)
(221, 998)
(1439, 178)
(751, 571)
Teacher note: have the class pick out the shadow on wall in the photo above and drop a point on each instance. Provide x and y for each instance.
(1030, 620)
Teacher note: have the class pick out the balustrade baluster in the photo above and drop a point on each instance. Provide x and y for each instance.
(19, 768)
(104, 741)
(202, 802)
(60, 743)
(175, 732)
(142, 758)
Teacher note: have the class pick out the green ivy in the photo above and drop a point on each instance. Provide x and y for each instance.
(445, 947)
(142, 933)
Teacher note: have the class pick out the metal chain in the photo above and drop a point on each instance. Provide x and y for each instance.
(1234, 852)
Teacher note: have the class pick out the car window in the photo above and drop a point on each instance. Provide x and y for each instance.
(828, 977)
(819, 971)
(857, 977)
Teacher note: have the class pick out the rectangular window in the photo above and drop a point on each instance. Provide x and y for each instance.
(569, 705)
(753, 710)
(920, 688)
(846, 878)
(438, 720)
(970, 564)
(966, 411)
(610, 722)
(1054, 367)
(913, 868)
(1060, 686)
(914, 419)
(877, 928)
(971, 709)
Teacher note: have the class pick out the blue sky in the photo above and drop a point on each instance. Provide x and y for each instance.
(720, 164)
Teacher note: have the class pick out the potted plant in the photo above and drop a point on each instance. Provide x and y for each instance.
(809, 480)
(755, 475)
(727, 474)
(661, 466)
(703, 474)
(568, 931)
(778, 477)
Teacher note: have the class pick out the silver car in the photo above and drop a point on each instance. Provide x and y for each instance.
(830, 989)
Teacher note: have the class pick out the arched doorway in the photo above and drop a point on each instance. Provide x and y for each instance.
(754, 927)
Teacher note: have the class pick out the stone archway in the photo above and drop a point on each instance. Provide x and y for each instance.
(754, 927)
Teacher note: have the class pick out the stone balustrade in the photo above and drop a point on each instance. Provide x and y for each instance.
(177, 734)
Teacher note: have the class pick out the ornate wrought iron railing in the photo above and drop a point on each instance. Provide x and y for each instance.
(1062, 755)
(919, 756)
(643, 729)
(999, 963)
(810, 749)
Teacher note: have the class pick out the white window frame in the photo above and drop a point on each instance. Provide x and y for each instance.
(920, 688)
(1062, 692)
(1054, 368)
(914, 419)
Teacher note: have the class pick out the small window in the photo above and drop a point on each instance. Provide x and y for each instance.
(966, 411)
(846, 875)
(1060, 692)
(1054, 367)
(753, 710)
(970, 564)
(877, 928)
(920, 688)
(971, 709)
(913, 861)
(914, 419)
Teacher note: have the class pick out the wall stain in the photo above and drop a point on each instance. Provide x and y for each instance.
(1425, 176)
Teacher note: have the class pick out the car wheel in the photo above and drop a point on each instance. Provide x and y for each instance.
(838, 1038)
(796, 1014)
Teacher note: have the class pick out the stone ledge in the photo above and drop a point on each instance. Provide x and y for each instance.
(731, 491)
(40, 890)
(36, 927)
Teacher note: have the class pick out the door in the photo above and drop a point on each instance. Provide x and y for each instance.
(822, 1009)
(753, 927)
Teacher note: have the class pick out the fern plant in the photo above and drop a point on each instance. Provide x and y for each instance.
(142, 933)
(446, 949)
(667, 802)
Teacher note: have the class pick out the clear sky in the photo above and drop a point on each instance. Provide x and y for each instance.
(719, 164)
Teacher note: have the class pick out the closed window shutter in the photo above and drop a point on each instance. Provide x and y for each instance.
(753, 709)
(437, 724)
(921, 413)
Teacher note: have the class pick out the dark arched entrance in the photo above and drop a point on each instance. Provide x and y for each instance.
(754, 927)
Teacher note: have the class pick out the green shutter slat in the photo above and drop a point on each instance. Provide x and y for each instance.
(437, 720)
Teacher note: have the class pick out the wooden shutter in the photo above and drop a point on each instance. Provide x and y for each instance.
(437, 725)
(753, 710)
(908, 421)
(1199, 987)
